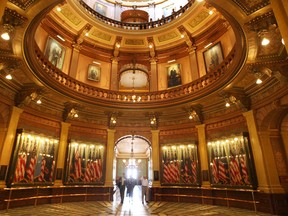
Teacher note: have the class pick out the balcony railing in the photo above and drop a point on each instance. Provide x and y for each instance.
(50, 74)
(135, 26)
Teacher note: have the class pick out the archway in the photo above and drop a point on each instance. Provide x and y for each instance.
(132, 157)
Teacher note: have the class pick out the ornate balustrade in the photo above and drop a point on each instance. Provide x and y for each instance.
(135, 26)
(61, 81)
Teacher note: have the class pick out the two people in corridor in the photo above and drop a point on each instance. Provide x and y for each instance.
(129, 183)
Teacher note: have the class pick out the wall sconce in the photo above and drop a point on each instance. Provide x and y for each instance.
(71, 111)
(153, 120)
(6, 32)
(74, 113)
(113, 120)
(258, 76)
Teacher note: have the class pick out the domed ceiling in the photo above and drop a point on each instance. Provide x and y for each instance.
(102, 40)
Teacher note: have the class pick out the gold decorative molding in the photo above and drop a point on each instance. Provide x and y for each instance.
(199, 18)
(168, 36)
(67, 13)
(101, 35)
(135, 42)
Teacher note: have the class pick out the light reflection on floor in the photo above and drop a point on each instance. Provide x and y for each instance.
(131, 207)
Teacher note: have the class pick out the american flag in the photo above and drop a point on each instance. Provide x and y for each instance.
(32, 159)
(167, 178)
(234, 171)
(42, 172)
(244, 170)
(99, 165)
(88, 174)
(20, 168)
(77, 164)
(223, 178)
(194, 171)
(52, 170)
(174, 170)
(185, 176)
(215, 173)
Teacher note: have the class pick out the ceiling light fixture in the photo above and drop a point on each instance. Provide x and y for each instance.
(60, 37)
(170, 61)
(9, 77)
(265, 41)
(208, 45)
(6, 32)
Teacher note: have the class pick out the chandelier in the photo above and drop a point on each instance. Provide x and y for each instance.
(132, 162)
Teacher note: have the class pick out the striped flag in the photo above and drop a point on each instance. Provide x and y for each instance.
(42, 172)
(223, 178)
(77, 164)
(32, 160)
(194, 171)
(167, 178)
(234, 171)
(244, 170)
(215, 173)
(87, 175)
(31, 168)
(20, 168)
(52, 170)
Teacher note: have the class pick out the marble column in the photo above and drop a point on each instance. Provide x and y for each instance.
(153, 77)
(74, 61)
(114, 74)
(203, 155)
(193, 63)
(155, 157)
(280, 9)
(62, 152)
(9, 142)
(109, 158)
(263, 157)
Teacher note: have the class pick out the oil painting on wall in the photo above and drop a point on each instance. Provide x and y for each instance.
(174, 75)
(55, 52)
(213, 57)
(94, 73)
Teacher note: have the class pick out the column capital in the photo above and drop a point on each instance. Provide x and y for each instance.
(65, 124)
(115, 60)
(111, 130)
(201, 126)
(155, 131)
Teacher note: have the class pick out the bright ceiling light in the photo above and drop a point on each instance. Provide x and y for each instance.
(5, 36)
(9, 77)
(265, 42)
(258, 81)
(282, 41)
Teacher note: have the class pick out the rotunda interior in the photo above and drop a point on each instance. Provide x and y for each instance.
(192, 94)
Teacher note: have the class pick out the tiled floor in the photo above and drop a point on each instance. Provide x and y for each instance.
(129, 207)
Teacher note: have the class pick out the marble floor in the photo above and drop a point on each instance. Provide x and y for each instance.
(132, 206)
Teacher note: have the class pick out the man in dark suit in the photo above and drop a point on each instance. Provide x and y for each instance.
(121, 186)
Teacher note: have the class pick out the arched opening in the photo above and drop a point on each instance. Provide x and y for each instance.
(132, 157)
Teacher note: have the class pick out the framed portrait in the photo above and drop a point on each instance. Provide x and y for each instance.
(101, 9)
(55, 52)
(174, 75)
(94, 73)
(213, 57)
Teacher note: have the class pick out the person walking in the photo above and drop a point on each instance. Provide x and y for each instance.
(145, 189)
(121, 186)
(130, 184)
